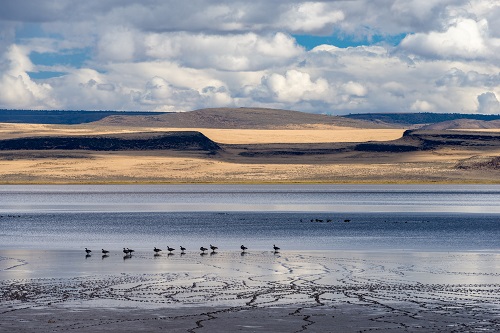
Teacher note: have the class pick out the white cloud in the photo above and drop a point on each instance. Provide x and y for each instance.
(16, 87)
(171, 55)
(242, 52)
(464, 38)
(117, 45)
(309, 17)
(422, 106)
(355, 89)
(488, 103)
(294, 86)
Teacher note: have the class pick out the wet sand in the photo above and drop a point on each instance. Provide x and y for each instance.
(256, 291)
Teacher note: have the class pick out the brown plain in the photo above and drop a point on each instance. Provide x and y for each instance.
(78, 167)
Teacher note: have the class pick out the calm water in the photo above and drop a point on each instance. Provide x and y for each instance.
(445, 218)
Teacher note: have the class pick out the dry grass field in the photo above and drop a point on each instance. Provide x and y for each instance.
(53, 166)
(228, 136)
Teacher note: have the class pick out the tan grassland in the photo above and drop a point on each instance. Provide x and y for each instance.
(307, 134)
(62, 167)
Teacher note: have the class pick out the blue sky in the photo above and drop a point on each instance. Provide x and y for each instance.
(333, 57)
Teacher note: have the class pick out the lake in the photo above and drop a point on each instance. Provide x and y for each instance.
(294, 217)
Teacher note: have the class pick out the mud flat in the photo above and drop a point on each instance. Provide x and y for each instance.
(255, 291)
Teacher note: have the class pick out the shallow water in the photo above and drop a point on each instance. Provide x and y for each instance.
(356, 258)
(437, 218)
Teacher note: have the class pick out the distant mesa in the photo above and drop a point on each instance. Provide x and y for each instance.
(186, 141)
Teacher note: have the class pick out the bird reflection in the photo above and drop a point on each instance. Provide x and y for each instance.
(127, 256)
(87, 256)
(105, 256)
(157, 255)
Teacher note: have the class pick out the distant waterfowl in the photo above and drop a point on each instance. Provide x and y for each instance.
(276, 248)
(182, 248)
(156, 250)
(213, 247)
(87, 250)
(126, 251)
(203, 249)
(130, 251)
(243, 248)
(170, 249)
(105, 252)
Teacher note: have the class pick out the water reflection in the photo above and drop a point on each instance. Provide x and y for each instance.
(291, 198)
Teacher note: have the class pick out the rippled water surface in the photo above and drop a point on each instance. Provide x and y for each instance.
(302, 217)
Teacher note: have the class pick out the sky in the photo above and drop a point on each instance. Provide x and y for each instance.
(327, 57)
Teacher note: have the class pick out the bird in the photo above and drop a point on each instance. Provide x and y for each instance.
(126, 251)
(183, 248)
(276, 249)
(87, 250)
(130, 251)
(104, 251)
(170, 249)
(213, 247)
(203, 249)
(243, 248)
(156, 250)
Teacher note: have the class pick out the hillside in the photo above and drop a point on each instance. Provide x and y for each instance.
(410, 119)
(464, 124)
(241, 118)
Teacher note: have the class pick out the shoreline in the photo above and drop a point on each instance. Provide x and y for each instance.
(324, 291)
(250, 182)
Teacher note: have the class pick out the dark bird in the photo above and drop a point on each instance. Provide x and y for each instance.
(87, 250)
(126, 251)
(183, 248)
(213, 247)
(203, 249)
(104, 251)
(156, 250)
(130, 251)
(243, 248)
(170, 249)
(276, 248)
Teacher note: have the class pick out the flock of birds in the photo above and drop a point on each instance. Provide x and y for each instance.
(128, 252)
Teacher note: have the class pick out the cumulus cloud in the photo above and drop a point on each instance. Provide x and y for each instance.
(16, 87)
(422, 106)
(464, 38)
(311, 17)
(488, 103)
(171, 55)
(241, 52)
(293, 87)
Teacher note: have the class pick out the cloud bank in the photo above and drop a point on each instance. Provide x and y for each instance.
(157, 55)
